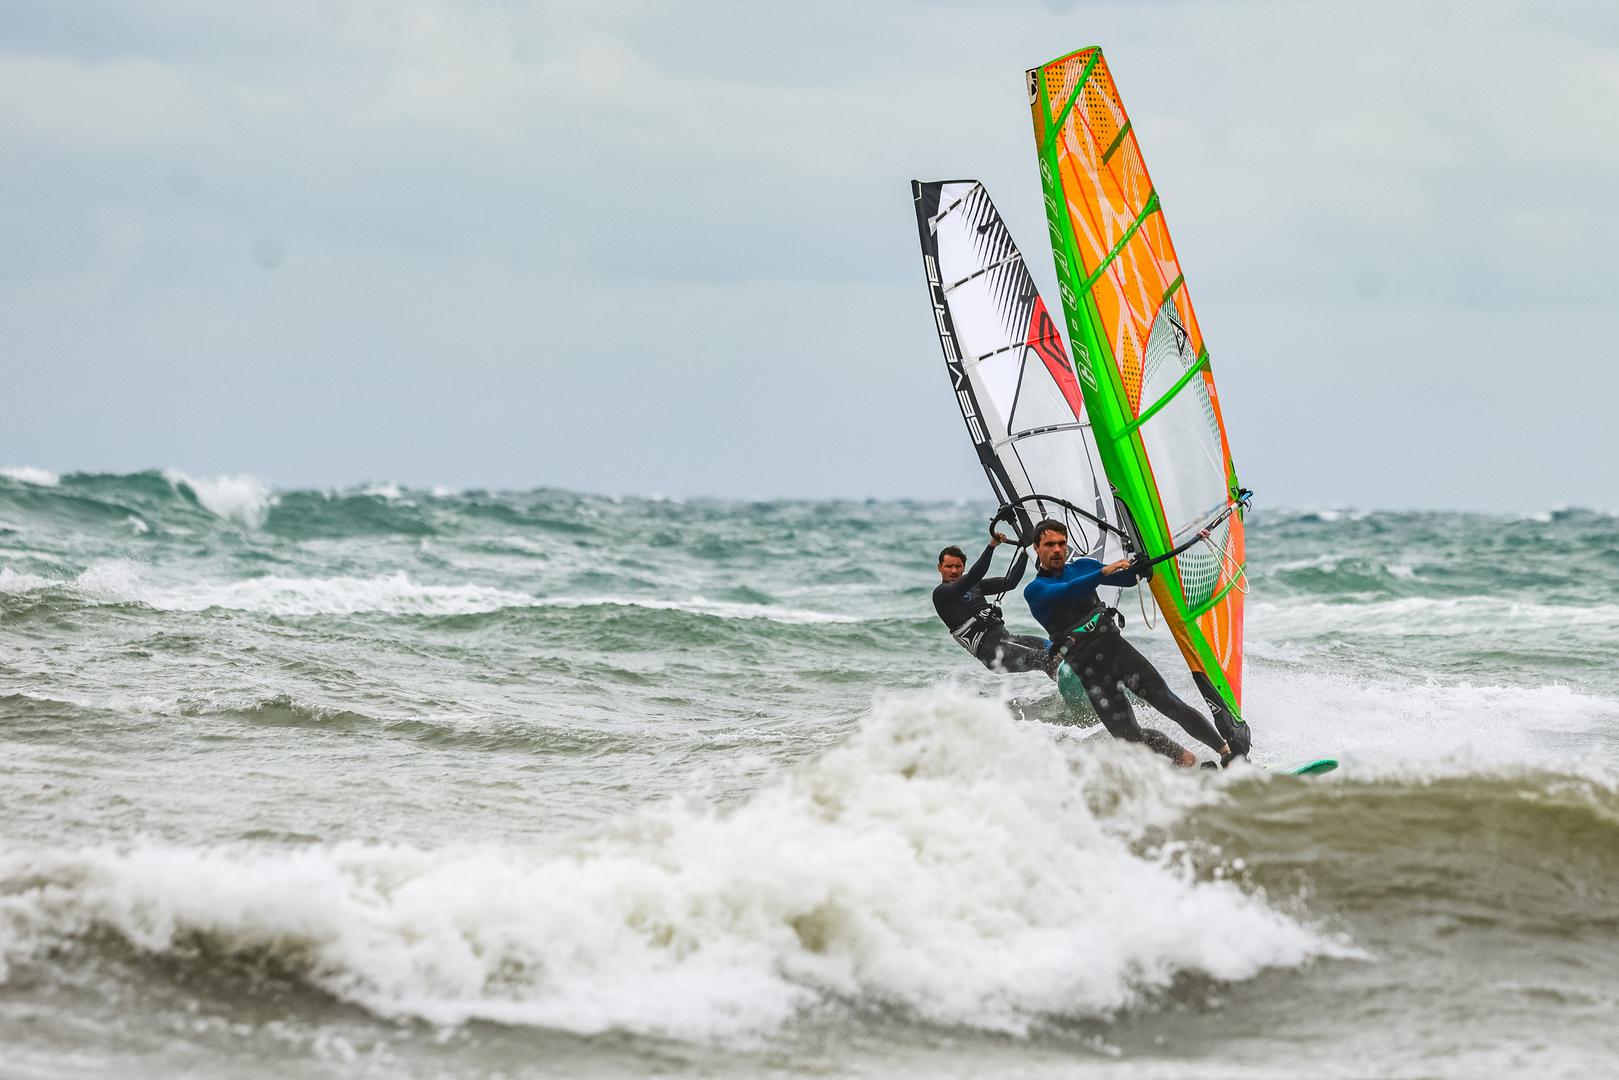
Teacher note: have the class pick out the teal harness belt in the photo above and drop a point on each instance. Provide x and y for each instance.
(1060, 649)
(1089, 624)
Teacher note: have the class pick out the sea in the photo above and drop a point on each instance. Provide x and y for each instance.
(388, 782)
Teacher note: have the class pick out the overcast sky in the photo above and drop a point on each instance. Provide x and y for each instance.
(669, 247)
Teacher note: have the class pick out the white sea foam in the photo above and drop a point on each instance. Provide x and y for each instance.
(698, 605)
(27, 474)
(1461, 616)
(393, 594)
(389, 492)
(32, 553)
(1399, 727)
(242, 499)
(396, 594)
(1568, 508)
(943, 862)
(1330, 564)
(118, 581)
(17, 584)
(1325, 515)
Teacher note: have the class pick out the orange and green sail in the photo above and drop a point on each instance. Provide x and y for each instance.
(1143, 367)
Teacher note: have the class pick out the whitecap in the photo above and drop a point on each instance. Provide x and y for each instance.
(698, 605)
(243, 499)
(1459, 616)
(943, 861)
(1381, 726)
(27, 474)
(16, 584)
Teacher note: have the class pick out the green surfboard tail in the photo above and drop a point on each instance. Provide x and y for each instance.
(1310, 768)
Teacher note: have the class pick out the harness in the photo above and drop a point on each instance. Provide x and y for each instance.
(971, 633)
(1103, 620)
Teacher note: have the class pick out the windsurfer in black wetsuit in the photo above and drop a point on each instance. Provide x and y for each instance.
(975, 620)
(1063, 598)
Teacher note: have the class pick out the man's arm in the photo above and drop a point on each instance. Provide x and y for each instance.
(1114, 573)
(1014, 574)
(1085, 581)
(1120, 573)
(973, 576)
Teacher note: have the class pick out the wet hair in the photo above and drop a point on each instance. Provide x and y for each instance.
(952, 550)
(1049, 525)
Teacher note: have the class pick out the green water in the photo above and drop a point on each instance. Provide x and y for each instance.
(403, 783)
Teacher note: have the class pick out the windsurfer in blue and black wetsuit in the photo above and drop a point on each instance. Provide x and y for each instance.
(975, 620)
(1086, 635)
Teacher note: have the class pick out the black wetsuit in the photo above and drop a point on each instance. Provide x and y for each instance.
(975, 621)
(1066, 604)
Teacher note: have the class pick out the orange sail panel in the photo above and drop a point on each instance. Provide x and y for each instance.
(1143, 366)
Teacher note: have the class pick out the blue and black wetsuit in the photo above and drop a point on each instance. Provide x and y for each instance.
(1106, 665)
(975, 621)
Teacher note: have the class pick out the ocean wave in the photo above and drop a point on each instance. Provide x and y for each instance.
(284, 710)
(941, 862)
(17, 584)
(151, 497)
(1567, 512)
(481, 732)
(27, 474)
(1328, 516)
(242, 499)
(1337, 575)
(390, 594)
(1415, 730)
(1518, 858)
(1459, 616)
(697, 605)
(125, 582)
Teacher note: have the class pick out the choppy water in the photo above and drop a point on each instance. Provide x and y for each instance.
(408, 783)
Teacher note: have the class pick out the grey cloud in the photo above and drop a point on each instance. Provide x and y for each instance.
(669, 247)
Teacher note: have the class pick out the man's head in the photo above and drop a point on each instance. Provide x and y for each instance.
(1051, 544)
(952, 562)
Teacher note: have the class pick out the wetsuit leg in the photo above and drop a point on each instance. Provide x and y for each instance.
(1014, 652)
(1104, 684)
(1137, 673)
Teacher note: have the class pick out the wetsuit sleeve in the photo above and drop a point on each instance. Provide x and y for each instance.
(1055, 591)
(1014, 574)
(1124, 579)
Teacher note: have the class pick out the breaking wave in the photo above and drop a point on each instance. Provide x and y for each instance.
(941, 862)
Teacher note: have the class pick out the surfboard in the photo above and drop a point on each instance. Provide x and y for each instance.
(1308, 768)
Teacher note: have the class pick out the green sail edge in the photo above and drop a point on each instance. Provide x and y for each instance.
(1119, 443)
